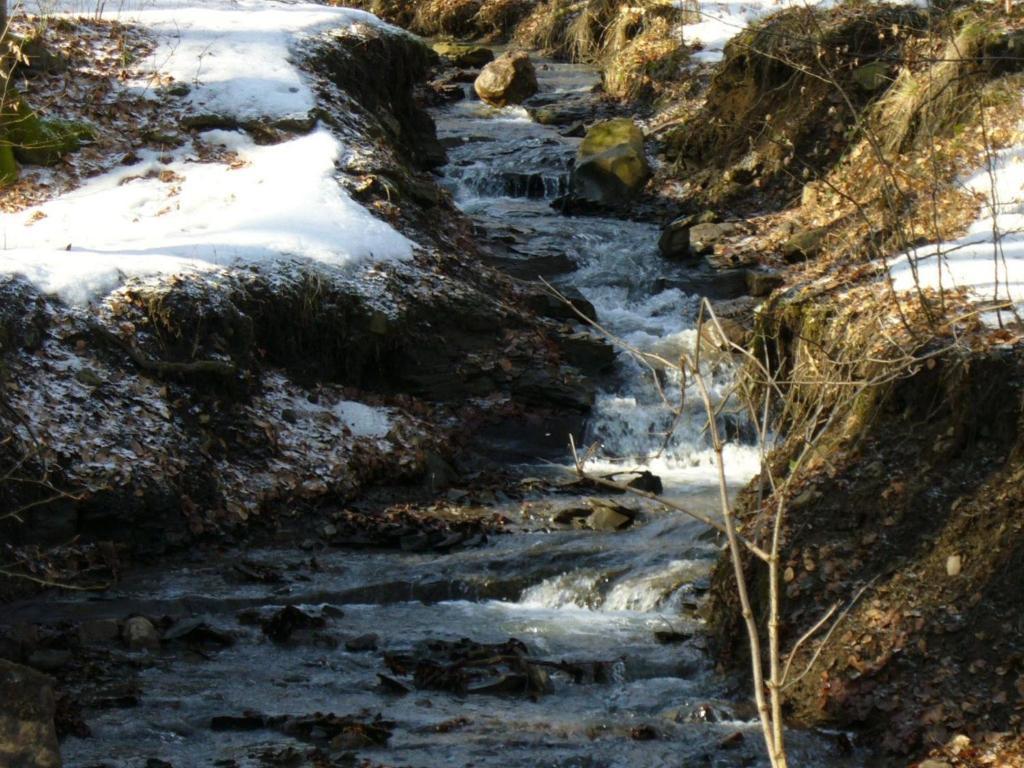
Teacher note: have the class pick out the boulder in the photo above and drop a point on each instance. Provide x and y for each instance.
(761, 282)
(509, 79)
(805, 244)
(465, 55)
(610, 163)
(362, 643)
(140, 634)
(674, 242)
(609, 518)
(99, 631)
(28, 738)
(704, 237)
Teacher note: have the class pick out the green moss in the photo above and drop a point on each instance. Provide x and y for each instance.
(36, 141)
(8, 166)
(612, 133)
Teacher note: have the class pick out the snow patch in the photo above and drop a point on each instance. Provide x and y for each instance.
(989, 259)
(172, 214)
(721, 21)
(364, 420)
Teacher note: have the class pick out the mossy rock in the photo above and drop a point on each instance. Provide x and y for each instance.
(36, 141)
(873, 76)
(611, 133)
(610, 163)
(465, 55)
(806, 244)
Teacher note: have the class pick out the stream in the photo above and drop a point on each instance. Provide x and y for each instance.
(626, 599)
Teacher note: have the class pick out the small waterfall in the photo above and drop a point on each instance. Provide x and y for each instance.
(658, 588)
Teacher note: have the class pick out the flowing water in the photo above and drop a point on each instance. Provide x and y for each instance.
(568, 595)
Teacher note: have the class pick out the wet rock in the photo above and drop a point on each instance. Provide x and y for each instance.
(805, 244)
(609, 517)
(197, 633)
(704, 237)
(725, 334)
(671, 636)
(28, 738)
(464, 55)
(282, 625)
(49, 659)
(99, 631)
(610, 163)
(362, 643)
(589, 353)
(545, 304)
(732, 741)
(674, 242)
(647, 481)
(438, 474)
(139, 634)
(258, 573)
(761, 282)
(509, 79)
(341, 732)
(644, 732)
(575, 131)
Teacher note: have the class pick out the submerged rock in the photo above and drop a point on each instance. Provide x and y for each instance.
(510, 79)
(610, 164)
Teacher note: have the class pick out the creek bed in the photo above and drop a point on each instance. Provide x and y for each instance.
(625, 599)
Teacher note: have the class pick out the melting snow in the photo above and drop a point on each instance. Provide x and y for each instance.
(989, 259)
(721, 21)
(178, 214)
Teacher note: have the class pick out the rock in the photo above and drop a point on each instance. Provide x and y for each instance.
(705, 236)
(366, 642)
(99, 631)
(545, 304)
(575, 131)
(805, 244)
(509, 79)
(28, 738)
(437, 473)
(954, 564)
(464, 55)
(647, 481)
(610, 163)
(609, 517)
(761, 282)
(732, 332)
(49, 659)
(873, 76)
(197, 633)
(732, 741)
(589, 353)
(289, 620)
(674, 242)
(644, 732)
(140, 634)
